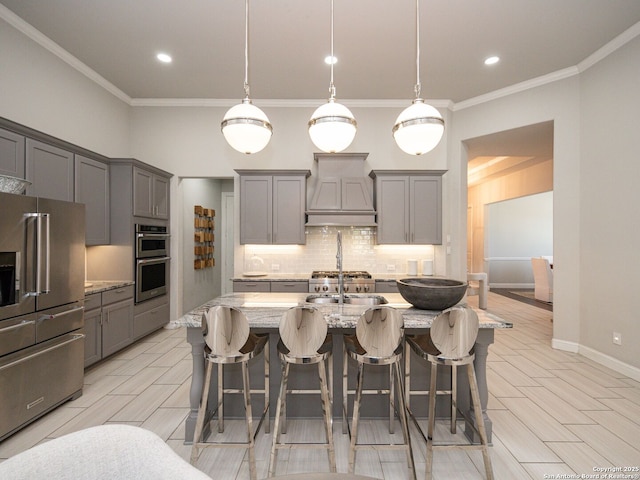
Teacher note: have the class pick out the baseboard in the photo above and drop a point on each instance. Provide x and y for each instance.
(565, 346)
(598, 357)
(521, 286)
(610, 362)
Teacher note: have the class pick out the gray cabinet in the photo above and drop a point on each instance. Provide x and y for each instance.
(92, 329)
(298, 286)
(150, 194)
(92, 189)
(409, 206)
(11, 154)
(386, 286)
(293, 286)
(117, 320)
(150, 316)
(108, 323)
(260, 286)
(272, 206)
(50, 170)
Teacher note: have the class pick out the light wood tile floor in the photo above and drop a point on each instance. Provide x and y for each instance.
(554, 413)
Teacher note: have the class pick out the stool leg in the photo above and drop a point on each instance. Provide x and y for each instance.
(402, 411)
(356, 418)
(431, 420)
(276, 425)
(326, 411)
(407, 374)
(392, 400)
(454, 397)
(201, 413)
(267, 418)
(477, 409)
(345, 386)
(220, 398)
(246, 387)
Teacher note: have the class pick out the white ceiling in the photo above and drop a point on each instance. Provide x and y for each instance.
(374, 42)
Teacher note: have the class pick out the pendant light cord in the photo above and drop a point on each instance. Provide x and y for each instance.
(417, 87)
(332, 88)
(246, 48)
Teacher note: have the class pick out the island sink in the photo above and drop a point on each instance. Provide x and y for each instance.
(348, 299)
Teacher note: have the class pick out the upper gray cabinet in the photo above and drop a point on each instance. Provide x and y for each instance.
(272, 206)
(11, 154)
(92, 189)
(150, 194)
(409, 206)
(50, 170)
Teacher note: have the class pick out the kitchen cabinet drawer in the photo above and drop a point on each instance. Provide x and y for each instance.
(92, 301)
(240, 286)
(116, 295)
(151, 320)
(386, 286)
(298, 287)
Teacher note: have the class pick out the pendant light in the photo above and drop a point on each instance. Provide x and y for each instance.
(420, 126)
(245, 127)
(332, 126)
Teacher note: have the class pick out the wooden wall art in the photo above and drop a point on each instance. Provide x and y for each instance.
(204, 226)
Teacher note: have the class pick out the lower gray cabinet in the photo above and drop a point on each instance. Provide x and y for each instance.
(108, 323)
(386, 286)
(242, 286)
(117, 327)
(301, 286)
(150, 315)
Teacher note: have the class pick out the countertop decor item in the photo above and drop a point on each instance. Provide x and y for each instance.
(432, 293)
(13, 184)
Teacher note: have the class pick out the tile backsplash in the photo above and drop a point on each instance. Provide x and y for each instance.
(359, 251)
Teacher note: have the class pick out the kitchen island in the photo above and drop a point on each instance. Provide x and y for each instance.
(264, 310)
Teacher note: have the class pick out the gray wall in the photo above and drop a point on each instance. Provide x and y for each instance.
(515, 231)
(199, 286)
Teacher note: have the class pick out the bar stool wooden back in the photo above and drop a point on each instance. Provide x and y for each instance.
(378, 342)
(228, 340)
(304, 341)
(450, 342)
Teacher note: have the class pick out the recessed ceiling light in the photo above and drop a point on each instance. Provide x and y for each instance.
(492, 60)
(164, 58)
(329, 60)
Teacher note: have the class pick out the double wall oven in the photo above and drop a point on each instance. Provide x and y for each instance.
(152, 261)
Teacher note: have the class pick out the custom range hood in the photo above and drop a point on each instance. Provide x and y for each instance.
(341, 192)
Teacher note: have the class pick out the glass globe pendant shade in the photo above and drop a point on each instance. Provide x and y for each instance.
(418, 128)
(246, 128)
(332, 127)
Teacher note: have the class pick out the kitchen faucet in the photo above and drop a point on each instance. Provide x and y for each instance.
(339, 267)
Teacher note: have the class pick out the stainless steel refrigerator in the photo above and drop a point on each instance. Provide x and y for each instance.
(42, 256)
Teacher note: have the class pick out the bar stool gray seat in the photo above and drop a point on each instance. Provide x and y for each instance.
(450, 342)
(303, 341)
(378, 342)
(228, 340)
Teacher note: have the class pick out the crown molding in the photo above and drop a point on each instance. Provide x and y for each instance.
(45, 42)
(603, 52)
(517, 88)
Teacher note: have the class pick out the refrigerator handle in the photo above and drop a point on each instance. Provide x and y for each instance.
(43, 249)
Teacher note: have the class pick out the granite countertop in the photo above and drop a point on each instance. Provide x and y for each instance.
(264, 310)
(98, 286)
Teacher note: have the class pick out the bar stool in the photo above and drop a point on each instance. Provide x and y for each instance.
(229, 341)
(303, 341)
(450, 342)
(378, 342)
